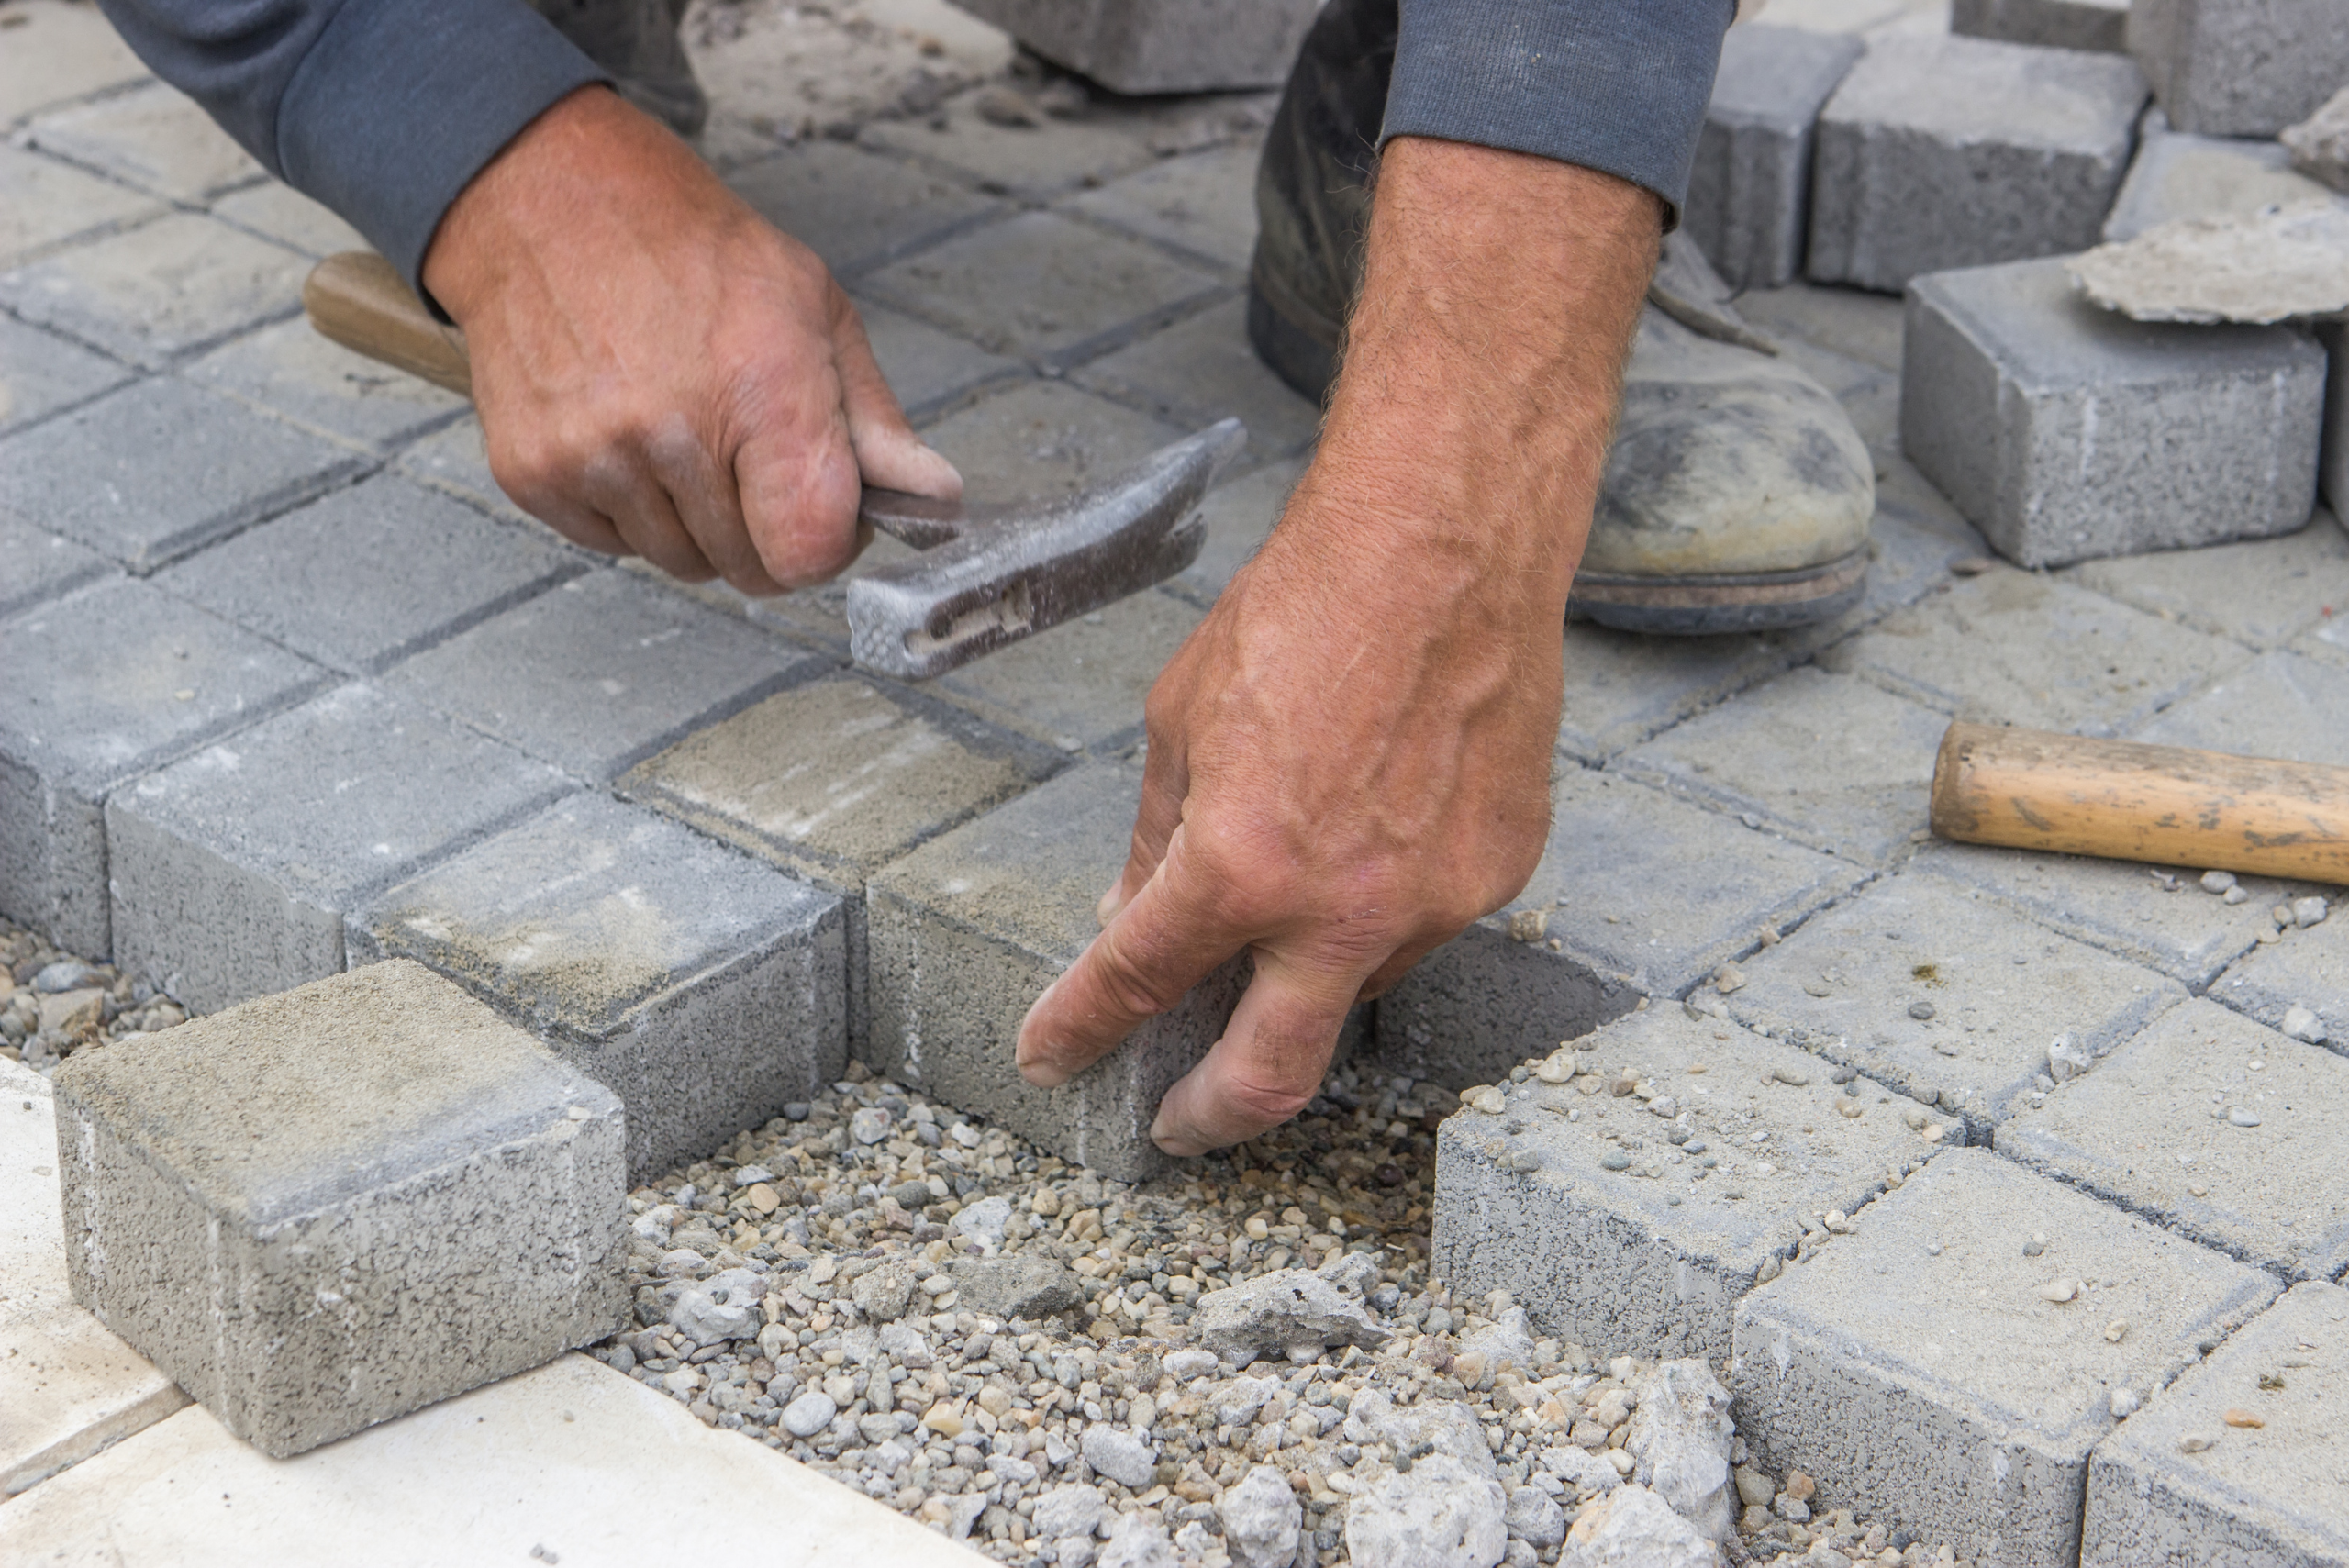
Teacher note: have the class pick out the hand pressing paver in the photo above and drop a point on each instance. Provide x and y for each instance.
(162, 290)
(968, 930)
(2100, 25)
(1604, 917)
(2284, 705)
(291, 370)
(1634, 1217)
(2175, 176)
(42, 372)
(37, 566)
(1749, 190)
(232, 871)
(1926, 1369)
(155, 470)
(705, 989)
(601, 673)
(2187, 1483)
(1940, 992)
(371, 574)
(45, 201)
(2298, 984)
(326, 1209)
(103, 686)
(2213, 1128)
(2240, 67)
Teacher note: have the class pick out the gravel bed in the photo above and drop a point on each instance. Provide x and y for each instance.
(52, 1003)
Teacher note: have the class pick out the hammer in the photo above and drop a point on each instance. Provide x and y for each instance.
(986, 576)
(2030, 789)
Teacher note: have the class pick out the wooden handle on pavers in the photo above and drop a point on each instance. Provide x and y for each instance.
(358, 300)
(2028, 789)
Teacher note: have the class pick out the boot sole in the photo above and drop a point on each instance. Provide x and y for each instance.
(1728, 601)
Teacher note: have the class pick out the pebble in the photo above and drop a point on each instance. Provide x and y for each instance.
(809, 1414)
(1261, 1518)
(2125, 1404)
(2060, 1291)
(2241, 1417)
(1794, 1077)
(1121, 1455)
(2196, 1442)
(2240, 1116)
(2066, 1061)
(2218, 882)
(2309, 911)
(870, 1125)
(1486, 1098)
(1921, 1010)
(2302, 1024)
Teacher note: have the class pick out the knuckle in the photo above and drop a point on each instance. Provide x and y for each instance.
(1132, 984)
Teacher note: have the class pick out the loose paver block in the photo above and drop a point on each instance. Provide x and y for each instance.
(60, 50)
(1635, 1223)
(324, 1209)
(601, 673)
(2278, 1492)
(1203, 370)
(2283, 703)
(69, 1388)
(968, 930)
(2065, 432)
(1944, 994)
(40, 373)
(1161, 46)
(232, 870)
(835, 779)
(1204, 202)
(153, 137)
(2301, 969)
(103, 686)
(1829, 761)
(857, 209)
(928, 370)
(704, 988)
(152, 293)
(1081, 685)
(290, 369)
(158, 469)
(2263, 592)
(2212, 1127)
(2240, 67)
(1748, 191)
(2098, 25)
(37, 565)
(44, 201)
(2175, 176)
(370, 574)
(1940, 152)
(1923, 1370)
(559, 1460)
(1604, 918)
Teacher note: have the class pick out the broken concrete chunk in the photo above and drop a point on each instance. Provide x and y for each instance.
(1265, 1316)
(1432, 1426)
(1016, 1287)
(1635, 1526)
(1680, 1436)
(2280, 265)
(1438, 1512)
(2320, 144)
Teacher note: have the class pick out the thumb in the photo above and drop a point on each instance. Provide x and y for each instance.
(888, 453)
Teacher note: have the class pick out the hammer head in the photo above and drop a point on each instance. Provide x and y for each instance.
(989, 575)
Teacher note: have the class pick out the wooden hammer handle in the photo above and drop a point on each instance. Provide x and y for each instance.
(358, 300)
(2028, 789)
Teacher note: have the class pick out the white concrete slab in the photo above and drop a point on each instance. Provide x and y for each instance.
(585, 1466)
(68, 1387)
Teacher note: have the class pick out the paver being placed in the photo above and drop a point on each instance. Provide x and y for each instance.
(557, 1460)
(2283, 703)
(2065, 432)
(601, 673)
(704, 988)
(156, 470)
(1940, 152)
(45, 201)
(232, 871)
(40, 373)
(1604, 920)
(1941, 992)
(2175, 176)
(1749, 190)
(2212, 1127)
(1636, 1219)
(68, 1387)
(37, 565)
(152, 137)
(2098, 25)
(370, 574)
(968, 930)
(1925, 1370)
(103, 686)
(1160, 46)
(857, 209)
(1204, 202)
(2185, 1484)
(290, 369)
(2264, 592)
(2240, 67)
(152, 293)
(326, 1209)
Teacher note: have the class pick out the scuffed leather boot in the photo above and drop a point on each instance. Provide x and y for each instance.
(1737, 495)
(637, 41)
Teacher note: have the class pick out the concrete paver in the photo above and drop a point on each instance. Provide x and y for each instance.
(40, 373)
(2264, 594)
(2301, 969)
(2158, 1126)
(1623, 688)
(1624, 1221)
(1039, 438)
(704, 988)
(44, 202)
(928, 370)
(165, 289)
(1993, 988)
(1202, 369)
(152, 137)
(37, 566)
(2283, 703)
(280, 212)
(1922, 1366)
(2278, 1492)
(232, 871)
(1240, 516)
(1032, 162)
(1079, 686)
(60, 50)
(856, 208)
(289, 370)
(1748, 191)
(327, 1209)
(2175, 176)
(1203, 203)
(2099, 25)
(2231, 68)
(455, 458)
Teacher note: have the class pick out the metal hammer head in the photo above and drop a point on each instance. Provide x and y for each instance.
(989, 575)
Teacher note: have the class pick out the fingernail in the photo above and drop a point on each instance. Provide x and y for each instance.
(1107, 909)
(1170, 1140)
(1038, 1069)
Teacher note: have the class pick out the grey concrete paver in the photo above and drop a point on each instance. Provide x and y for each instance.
(704, 988)
(279, 212)
(455, 458)
(1852, 322)
(1041, 437)
(45, 201)
(1240, 516)
(103, 686)
(2264, 594)
(1920, 1368)
(2099, 25)
(1033, 162)
(290, 370)
(40, 373)
(1204, 202)
(151, 294)
(368, 576)
(1623, 688)
(1995, 990)
(2224, 68)
(60, 50)
(1826, 760)
(293, 1207)
(928, 370)
(854, 207)
(1081, 685)
(2158, 1128)
(1749, 190)
(2300, 968)
(152, 137)
(2275, 1492)
(2175, 176)
(1040, 285)
(1637, 1223)
(599, 674)
(157, 470)
(2283, 703)
(1202, 369)
(1604, 918)
(37, 566)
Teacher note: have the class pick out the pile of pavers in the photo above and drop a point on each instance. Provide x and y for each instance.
(2003, 1183)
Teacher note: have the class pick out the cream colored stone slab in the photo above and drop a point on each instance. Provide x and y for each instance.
(2271, 266)
(572, 1461)
(52, 51)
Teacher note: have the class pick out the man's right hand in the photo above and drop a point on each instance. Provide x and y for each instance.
(659, 371)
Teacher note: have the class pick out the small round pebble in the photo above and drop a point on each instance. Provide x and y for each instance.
(1920, 1011)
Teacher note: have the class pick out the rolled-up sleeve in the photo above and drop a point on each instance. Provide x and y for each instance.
(1617, 86)
(382, 109)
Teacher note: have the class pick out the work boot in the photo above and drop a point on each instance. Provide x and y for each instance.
(1737, 495)
(637, 42)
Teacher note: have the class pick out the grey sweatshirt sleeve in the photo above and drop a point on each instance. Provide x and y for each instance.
(1617, 86)
(383, 109)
